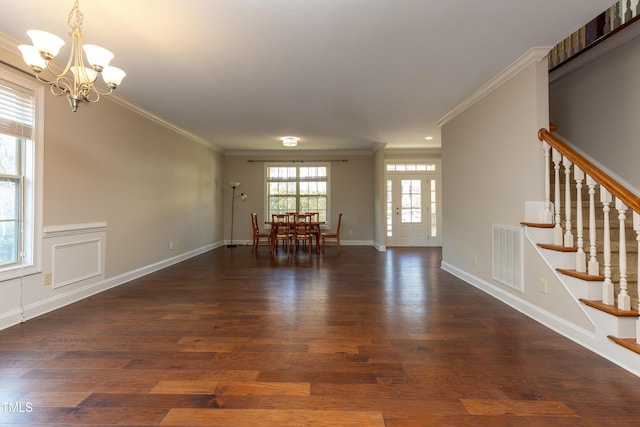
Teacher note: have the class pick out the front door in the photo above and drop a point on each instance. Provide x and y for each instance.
(412, 209)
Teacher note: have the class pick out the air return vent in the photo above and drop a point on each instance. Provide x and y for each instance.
(507, 256)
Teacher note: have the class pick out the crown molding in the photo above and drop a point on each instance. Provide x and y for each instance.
(11, 45)
(531, 56)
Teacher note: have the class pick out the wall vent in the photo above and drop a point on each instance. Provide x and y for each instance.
(507, 256)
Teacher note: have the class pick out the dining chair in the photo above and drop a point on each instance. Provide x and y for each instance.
(280, 217)
(302, 232)
(333, 236)
(315, 216)
(281, 232)
(257, 235)
(301, 217)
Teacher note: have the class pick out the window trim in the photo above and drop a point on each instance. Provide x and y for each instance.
(33, 185)
(297, 164)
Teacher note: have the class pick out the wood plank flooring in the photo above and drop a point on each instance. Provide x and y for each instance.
(231, 338)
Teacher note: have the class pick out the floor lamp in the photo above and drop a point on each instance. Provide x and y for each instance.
(242, 196)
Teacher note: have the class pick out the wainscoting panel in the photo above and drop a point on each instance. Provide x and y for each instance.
(76, 254)
(75, 262)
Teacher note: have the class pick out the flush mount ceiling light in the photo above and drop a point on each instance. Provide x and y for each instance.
(76, 79)
(290, 141)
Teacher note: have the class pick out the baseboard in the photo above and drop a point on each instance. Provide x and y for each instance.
(41, 307)
(10, 319)
(588, 340)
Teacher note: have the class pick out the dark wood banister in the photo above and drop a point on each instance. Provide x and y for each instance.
(627, 197)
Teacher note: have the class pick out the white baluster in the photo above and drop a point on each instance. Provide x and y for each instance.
(548, 214)
(594, 266)
(581, 258)
(557, 231)
(607, 286)
(624, 300)
(568, 235)
(636, 227)
(617, 13)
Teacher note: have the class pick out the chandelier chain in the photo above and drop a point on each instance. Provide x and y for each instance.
(76, 18)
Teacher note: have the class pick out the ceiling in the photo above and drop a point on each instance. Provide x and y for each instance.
(338, 74)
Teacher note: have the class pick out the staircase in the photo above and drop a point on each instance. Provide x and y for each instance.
(590, 233)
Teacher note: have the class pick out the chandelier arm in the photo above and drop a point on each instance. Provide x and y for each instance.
(60, 86)
(109, 91)
(90, 94)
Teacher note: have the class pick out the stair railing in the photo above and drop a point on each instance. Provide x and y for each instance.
(613, 195)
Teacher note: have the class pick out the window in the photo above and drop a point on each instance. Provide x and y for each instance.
(20, 166)
(294, 188)
(410, 167)
(411, 201)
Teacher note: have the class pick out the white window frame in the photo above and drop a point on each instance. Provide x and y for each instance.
(298, 165)
(31, 235)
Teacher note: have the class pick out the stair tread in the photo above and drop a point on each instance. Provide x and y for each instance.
(628, 343)
(558, 248)
(578, 275)
(611, 309)
(537, 224)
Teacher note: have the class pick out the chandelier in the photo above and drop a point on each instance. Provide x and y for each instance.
(76, 79)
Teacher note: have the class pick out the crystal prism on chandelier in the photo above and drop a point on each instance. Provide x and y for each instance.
(76, 80)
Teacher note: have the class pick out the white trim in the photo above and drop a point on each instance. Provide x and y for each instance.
(531, 56)
(591, 341)
(71, 229)
(33, 264)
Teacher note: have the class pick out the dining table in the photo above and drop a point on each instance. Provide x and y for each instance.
(288, 224)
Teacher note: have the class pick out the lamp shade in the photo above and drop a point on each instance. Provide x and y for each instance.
(97, 56)
(113, 76)
(32, 57)
(46, 43)
(234, 184)
(84, 74)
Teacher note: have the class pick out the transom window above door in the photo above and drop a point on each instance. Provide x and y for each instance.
(411, 167)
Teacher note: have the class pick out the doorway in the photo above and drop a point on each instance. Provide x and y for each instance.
(413, 203)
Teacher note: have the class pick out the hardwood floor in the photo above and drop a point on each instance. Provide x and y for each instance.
(364, 338)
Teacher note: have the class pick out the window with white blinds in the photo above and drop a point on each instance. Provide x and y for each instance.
(17, 175)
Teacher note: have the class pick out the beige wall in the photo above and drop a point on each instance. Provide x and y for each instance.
(352, 189)
(151, 185)
(148, 183)
(492, 165)
(596, 106)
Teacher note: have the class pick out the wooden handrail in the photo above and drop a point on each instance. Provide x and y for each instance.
(614, 187)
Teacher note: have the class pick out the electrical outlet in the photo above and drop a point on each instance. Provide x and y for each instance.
(172, 245)
(542, 286)
(47, 279)
(475, 260)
